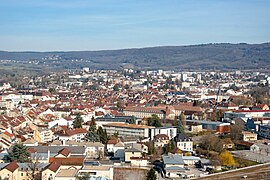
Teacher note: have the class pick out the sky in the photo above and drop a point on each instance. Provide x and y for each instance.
(64, 25)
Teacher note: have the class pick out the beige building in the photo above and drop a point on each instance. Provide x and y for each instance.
(132, 153)
(249, 136)
(51, 171)
(66, 174)
(43, 134)
(9, 171)
(98, 171)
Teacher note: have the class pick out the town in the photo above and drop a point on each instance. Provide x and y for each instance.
(134, 124)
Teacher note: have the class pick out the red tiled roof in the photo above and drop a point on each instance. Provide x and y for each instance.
(65, 152)
(54, 166)
(12, 166)
(31, 150)
(76, 161)
(8, 134)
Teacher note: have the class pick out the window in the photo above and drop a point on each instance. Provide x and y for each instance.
(21, 174)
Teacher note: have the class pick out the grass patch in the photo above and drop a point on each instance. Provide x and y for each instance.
(240, 162)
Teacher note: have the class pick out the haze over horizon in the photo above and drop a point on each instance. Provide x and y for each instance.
(67, 25)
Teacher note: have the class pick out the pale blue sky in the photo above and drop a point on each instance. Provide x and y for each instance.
(44, 25)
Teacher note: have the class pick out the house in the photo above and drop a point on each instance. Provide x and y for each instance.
(160, 140)
(71, 134)
(174, 165)
(139, 161)
(9, 170)
(30, 142)
(249, 136)
(94, 149)
(119, 150)
(51, 170)
(110, 145)
(227, 143)
(131, 153)
(25, 169)
(65, 174)
(184, 143)
(260, 148)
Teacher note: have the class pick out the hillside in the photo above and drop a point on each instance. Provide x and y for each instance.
(196, 57)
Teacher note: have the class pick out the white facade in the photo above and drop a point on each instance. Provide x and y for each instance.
(169, 131)
(186, 145)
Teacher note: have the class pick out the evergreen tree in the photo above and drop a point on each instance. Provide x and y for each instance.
(102, 135)
(92, 134)
(19, 153)
(154, 120)
(151, 175)
(77, 123)
(179, 126)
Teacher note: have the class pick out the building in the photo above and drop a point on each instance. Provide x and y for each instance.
(161, 140)
(97, 171)
(143, 112)
(71, 134)
(128, 129)
(184, 143)
(132, 153)
(43, 134)
(249, 136)
(219, 127)
(169, 131)
(174, 165)
(264, 131)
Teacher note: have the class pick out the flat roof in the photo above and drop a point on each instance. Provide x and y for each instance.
(131, 126)
(67, 173)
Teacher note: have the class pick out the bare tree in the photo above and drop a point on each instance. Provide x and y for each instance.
(253, 148)
(260, 150)
(34, 172)
(267, 150)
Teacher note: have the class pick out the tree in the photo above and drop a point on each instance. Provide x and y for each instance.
(151, 175)
(19, 153)
(236, 131)
(267, 150)
(116, 87)
(52, 90)
(154, 120)
(83, 176)
(211, 142)
(93, 122)
(215, 159)
(77, 123)
(102, 135)
(115, 134)
(227, 159)
(92, 134)
(34, 173)
(179, 126)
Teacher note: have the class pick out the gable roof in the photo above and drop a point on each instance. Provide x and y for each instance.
(76, 161)
(65, 152)
(12, 166)
(54, 166)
